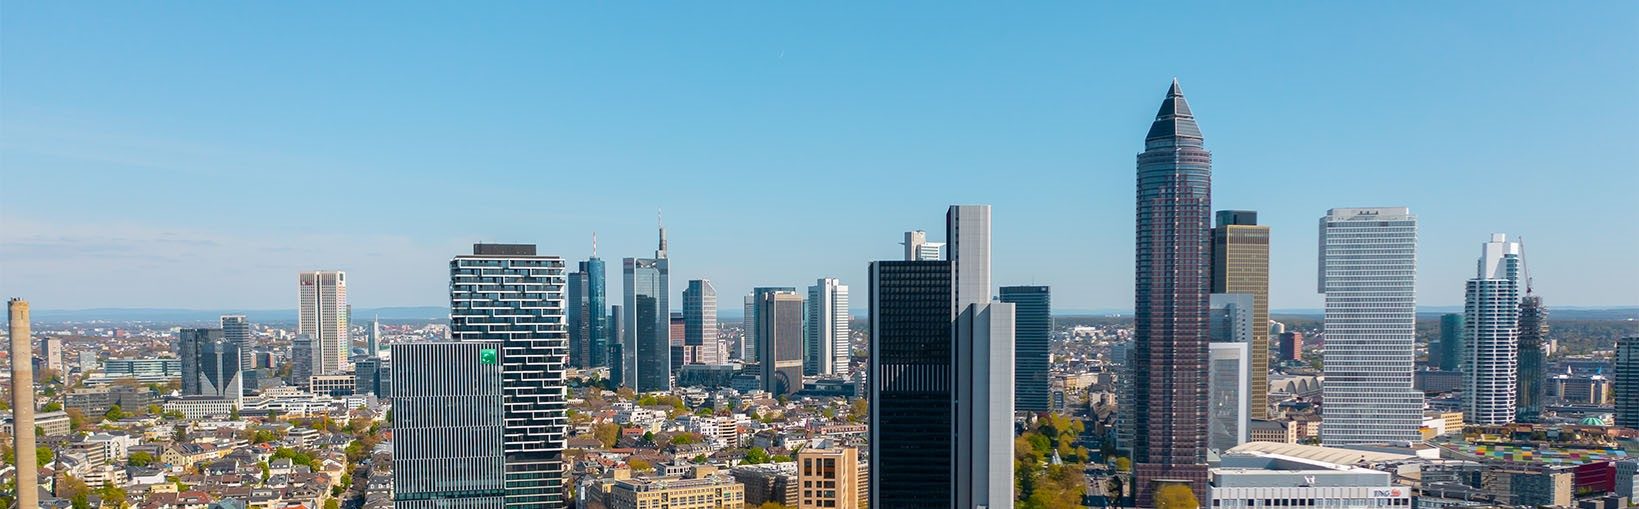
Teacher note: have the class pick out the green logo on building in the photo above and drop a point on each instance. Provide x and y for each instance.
(487, 356)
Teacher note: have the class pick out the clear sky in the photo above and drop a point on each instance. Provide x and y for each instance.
(156, 156)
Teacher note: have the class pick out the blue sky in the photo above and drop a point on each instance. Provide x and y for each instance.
(159, 156)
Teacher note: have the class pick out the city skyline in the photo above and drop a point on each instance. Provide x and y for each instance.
(154, 140)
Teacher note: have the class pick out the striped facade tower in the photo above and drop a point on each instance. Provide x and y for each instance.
(448, 435)
(1491, 334)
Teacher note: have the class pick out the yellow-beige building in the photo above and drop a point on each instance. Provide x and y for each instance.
(710, 491)
(1240, 264)
(828, 478)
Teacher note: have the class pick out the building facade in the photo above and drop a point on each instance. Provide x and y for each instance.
(828, 478)
(826, 347)
(1450, 354)
(236, 329)
(1240, 265)
(913, 406)
(1229, 388)
(323, 316)
(941, 377)
(1491, 334)
(1291, 346)
(748, 340)
(1032, 335)
(646, 343)
(1172, 281)
(917, 247)
(700, 323)
(1368, 273)
(1532, 384)
(1626, 387)
(507, 295)
(448, 427)
(210, 365)
(779, 330)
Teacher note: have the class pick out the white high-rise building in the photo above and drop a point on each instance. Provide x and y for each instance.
(984, 366)
(1229, 385)
(1491, 334)
(1368, 272)
(826, 341)
(323, 317)
(917, 247)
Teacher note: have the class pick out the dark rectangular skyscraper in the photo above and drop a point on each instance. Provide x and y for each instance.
(1451, 342)
(646, 344)
(507, 294)
(911, 383)
(1033, 328)
(579, 313)
(780, 332)
(210, 364)
(236, 330)
(1626, 387)
(1170, 305)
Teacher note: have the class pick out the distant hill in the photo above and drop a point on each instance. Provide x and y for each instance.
(173, 315)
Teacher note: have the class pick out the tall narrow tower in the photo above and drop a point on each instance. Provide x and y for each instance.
(1240, 264)
(1533, 358)
(22, 405)
(1170, 303)
(323, 317)
(1491, 334)
(508, 296)
(647, 342)
(826, 343)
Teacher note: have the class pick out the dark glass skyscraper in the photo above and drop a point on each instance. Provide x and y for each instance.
(1451, 342)
(580, 320)
(1032, 331)
(911, 382)
(588, 316)
(1533, 358)
(647, 342)
(1170, 304)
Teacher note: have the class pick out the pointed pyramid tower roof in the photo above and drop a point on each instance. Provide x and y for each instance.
(1174, 120)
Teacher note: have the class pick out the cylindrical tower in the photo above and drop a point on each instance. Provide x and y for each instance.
(22, 404)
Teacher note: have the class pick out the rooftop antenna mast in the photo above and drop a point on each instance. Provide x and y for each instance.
(1525, 266)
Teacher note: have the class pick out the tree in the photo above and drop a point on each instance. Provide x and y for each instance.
(756, 455)
(266, 472)
(648, 437)
(1123, 464)
(114, 413)
(76, 419)
(112, 495)
(1175, 495)
(42, 456)
(606, 433)
(140, 459)
(639, 465)
(332, 504)
(52, 406)
(780, 458)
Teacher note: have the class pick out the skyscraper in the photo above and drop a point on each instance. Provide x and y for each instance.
(1240, 264)
(1033, 329)
(210, 365)
(506, 294)
(913, 407)
(1533, 358)
(236, 330)
(372, 348)
(1451, 342)
(22, 402)
(700, 322)
(917, 247)
(779, 329)
(1626, 388)
(749, 348)
(1171, 282)
(597, 305)
(303, 355)
(1230, 329)
(826, 342)
(449, 434)
(51, 357)
(1291, 346)
(323, 317)
(577, 308)
(1228, 388)
(941, 376)
(647, 340)
(1368, 272)
(1491, 334)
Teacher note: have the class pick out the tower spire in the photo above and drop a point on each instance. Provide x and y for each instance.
(660, 221)
(594, 244)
